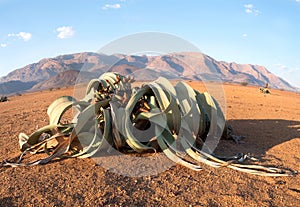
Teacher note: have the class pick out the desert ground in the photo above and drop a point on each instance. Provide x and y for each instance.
(270, 124)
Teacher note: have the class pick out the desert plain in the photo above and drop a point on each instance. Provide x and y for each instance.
(269, 122)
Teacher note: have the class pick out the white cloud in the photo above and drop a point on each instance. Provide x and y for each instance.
(287, 69)
(111, 6)
(293, 70)
(249, 8)
(245, 35)
(26, 36)
(281, 66)
(3, 45)
(297, 0)
(65, 32)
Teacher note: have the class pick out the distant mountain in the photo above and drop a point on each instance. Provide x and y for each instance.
(64, 70)
(49, 67)
(66, 78)
(15, 86)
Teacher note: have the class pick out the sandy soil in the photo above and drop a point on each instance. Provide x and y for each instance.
(270, 123)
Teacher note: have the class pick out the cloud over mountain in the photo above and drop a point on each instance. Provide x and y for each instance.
(65, 32)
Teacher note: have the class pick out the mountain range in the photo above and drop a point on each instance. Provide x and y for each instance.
(66, 70)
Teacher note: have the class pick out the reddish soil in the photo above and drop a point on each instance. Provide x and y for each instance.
(270, 123)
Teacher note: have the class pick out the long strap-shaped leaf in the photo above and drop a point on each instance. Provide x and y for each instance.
(130, 139)
(58, 108)
(28, 141)
(99, 139)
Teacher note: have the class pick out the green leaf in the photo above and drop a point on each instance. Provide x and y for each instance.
(58, 108)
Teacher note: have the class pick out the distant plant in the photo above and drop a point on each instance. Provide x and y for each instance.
(244, 83)
(264, 90)
(3, 99)
(51, 89)
(18, 94)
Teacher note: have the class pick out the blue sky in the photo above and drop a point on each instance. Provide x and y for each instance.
(262, 32)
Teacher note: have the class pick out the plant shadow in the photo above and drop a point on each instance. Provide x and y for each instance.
(260, 136)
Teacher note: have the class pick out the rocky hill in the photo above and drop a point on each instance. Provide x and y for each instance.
(66, 78)
(10, 87)
(63, 70)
